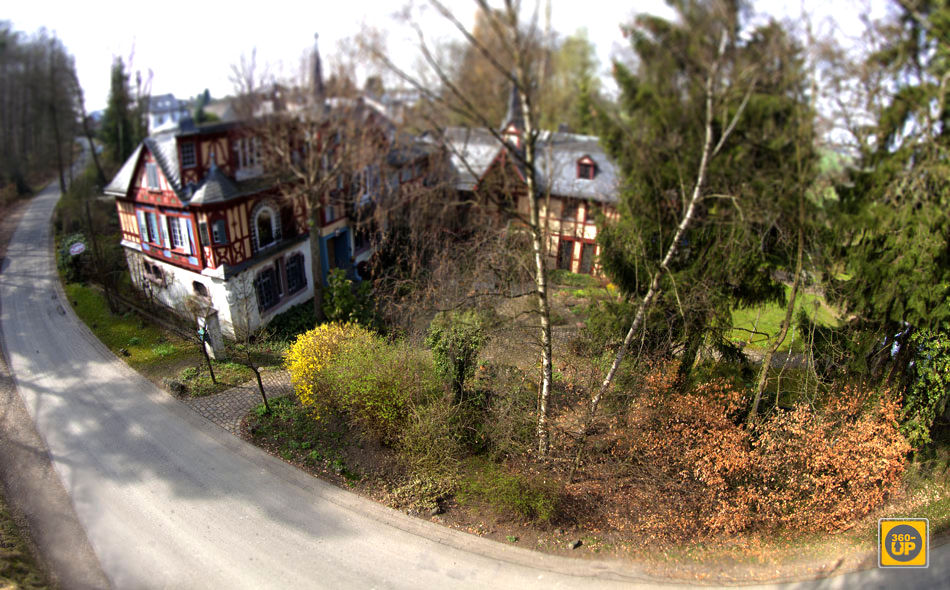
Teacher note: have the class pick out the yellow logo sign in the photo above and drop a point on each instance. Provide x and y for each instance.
(903, 542)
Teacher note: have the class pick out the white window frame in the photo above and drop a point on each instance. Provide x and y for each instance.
(154, 235)
(215, 234)
(274, 226)
(174, 232)
(247, 153)
(151, 176)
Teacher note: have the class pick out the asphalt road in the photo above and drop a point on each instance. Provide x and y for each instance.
(168, 500)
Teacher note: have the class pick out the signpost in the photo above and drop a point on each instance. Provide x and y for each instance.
(77, 249)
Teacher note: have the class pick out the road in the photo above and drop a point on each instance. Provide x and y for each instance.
(168, 500)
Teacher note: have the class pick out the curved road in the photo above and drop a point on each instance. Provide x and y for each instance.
(168, 500)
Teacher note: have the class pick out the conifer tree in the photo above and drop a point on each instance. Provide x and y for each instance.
(896, 243)
(746, 208)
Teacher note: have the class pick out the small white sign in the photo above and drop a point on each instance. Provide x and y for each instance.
(77, 248)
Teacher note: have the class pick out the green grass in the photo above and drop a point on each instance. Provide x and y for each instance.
(18, 568)
(198, 380)
(928, 478)
(768, 318)
(488, 483)
(296, 437)
(148, 346)
(570, 279)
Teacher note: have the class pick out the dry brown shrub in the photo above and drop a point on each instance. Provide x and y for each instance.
(822, 470)
(807, 469)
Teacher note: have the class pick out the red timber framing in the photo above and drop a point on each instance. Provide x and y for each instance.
(225, 229)
(579, 253)
(169, 235)
(150, 186)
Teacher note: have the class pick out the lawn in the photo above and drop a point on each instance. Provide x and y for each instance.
(767, 319)
(147, 346)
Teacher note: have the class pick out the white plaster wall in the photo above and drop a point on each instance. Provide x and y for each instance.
(178, 280)
(240, 289)
(227, 297)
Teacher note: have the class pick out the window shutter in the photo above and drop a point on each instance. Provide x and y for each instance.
(143, 227)
(163, 229)
(260, 293)
(189, 243)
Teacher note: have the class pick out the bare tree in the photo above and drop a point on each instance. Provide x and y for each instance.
(513, 55)
(725, 90)
(321, 150)
(247, 341)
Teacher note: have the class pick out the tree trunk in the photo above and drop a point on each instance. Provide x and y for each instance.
(316, 247)
(260, 383)
(316, 260)
(100, 175)
(57, 139)
(688, 359)
(786, 322)
(204, 351)
(540, 272)
(708, 152)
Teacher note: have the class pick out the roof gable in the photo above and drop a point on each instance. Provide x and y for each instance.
(122, 181)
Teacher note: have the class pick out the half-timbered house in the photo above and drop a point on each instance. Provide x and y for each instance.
(575, 179)
(199, 219)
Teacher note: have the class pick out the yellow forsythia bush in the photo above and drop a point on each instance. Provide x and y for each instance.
(346, 370)
(309, 358)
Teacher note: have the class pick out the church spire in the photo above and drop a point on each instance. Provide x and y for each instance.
(316, 82)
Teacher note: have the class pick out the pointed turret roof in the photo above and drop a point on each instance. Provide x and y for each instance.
(217, 187)
(514, 116)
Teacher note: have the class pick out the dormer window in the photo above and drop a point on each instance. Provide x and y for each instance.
(188, 159)
(586, 168)
(151, 176)
(512, 134)
(247, 154)
(219, 232)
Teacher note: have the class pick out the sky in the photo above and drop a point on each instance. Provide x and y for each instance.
(192, 45)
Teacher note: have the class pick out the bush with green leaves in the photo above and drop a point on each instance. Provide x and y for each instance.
(289, 324)
(456, 338)
(386, 390)
(74, 268)
(347, 370)
(530, 497)
(345, 302)
(928, 394)
(506, 427)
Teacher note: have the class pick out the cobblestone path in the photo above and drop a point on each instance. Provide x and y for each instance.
(226, 409)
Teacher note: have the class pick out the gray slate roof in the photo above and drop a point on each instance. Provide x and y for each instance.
(471, 152)
(165, 149)
(166, 103)
(558, 155)
(216, 188)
